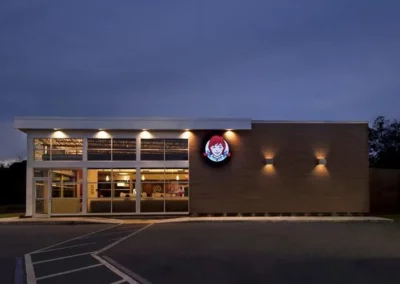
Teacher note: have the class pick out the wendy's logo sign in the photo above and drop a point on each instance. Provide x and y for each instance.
(216, 149)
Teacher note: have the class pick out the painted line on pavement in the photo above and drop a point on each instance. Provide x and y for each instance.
(116, 239)
(60, 258)
(19, 271)
(125, 277)
(119, 281)
(69, 271)
(77, 238)
(30, 273)
(109, 234)
(128, 272)
(74, 246)
(122, 239)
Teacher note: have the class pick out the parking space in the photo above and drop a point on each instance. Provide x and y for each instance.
(263, 253)
(209, 252)
(19, 239)
(76, 260)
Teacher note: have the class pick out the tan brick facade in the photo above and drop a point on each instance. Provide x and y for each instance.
(294, 184)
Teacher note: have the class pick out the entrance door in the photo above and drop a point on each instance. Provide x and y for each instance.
(40, 196)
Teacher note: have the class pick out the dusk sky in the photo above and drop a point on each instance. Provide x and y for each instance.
(273, 60)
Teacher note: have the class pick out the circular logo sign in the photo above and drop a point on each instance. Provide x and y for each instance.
(217, 149)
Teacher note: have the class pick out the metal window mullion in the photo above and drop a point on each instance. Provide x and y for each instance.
(112, 150)
(112, 185)
(164, 191)
(51, 149)
(84, 149)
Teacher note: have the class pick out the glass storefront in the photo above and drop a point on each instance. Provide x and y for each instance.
(112, 189)
(164, 190)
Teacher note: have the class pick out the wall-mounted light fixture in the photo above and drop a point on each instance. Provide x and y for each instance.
(269, 161)
(321, 161)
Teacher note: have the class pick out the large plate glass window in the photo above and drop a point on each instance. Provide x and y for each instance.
(58, 149)
(173, 149)
(99, 149)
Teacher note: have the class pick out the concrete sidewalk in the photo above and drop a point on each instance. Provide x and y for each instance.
(96, 220)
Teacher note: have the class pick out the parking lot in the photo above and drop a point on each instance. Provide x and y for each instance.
(235, 252)
(264, 253)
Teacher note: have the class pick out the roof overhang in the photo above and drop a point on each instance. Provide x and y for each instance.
(79, 123)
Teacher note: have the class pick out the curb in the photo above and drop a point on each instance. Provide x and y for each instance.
(280, 220)
(89, 221)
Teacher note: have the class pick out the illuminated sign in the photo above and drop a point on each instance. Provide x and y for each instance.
(216, 149)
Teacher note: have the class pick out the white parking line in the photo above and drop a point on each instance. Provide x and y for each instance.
(125, 270)
(116, 239)
(109, 234)
(122, 239)
(119, 282)
(59, 258)
(115, 270)
(74, 246)
(30, 273)
(77, 238)
(68, 271)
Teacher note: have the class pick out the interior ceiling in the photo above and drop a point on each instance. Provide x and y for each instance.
(117, 143)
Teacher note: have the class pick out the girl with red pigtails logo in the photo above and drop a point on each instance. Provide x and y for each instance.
(217, 149)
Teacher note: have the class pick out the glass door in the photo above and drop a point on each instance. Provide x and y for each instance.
(40, 196)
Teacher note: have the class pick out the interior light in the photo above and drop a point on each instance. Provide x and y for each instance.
(177, 177)
(107, 178)
(143, 178)
(321, 161)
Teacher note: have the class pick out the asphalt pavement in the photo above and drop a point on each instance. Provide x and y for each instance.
(18, 239)
(251, 252)
(203, 252)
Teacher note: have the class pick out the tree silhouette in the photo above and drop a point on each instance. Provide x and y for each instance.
(384, 143)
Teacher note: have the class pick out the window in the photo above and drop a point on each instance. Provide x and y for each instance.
(58, 149)
(152, 149)
(111, 190)
(66, 183)
(66, 149)
(176, 149)
(124, 149)
(66, 191)
(99, 149)
(164, 149)
(41, 149)
(165, 190)
(41, 173)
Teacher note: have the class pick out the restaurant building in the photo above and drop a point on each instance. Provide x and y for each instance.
(176, 166)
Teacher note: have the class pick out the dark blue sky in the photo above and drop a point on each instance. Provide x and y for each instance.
(291, 60)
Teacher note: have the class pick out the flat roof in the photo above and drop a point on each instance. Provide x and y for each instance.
(151, 123)
(131, 123)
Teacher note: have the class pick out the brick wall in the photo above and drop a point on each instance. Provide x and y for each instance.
(294, 184)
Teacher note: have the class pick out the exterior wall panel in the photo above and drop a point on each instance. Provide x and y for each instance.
(294, 184)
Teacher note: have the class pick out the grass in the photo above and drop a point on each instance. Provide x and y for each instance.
(9, 215)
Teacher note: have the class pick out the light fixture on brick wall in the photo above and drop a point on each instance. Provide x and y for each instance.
(321, 161)
(269, 161)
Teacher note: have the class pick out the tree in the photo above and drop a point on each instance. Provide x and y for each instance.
(13, 186)
(384, 143)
